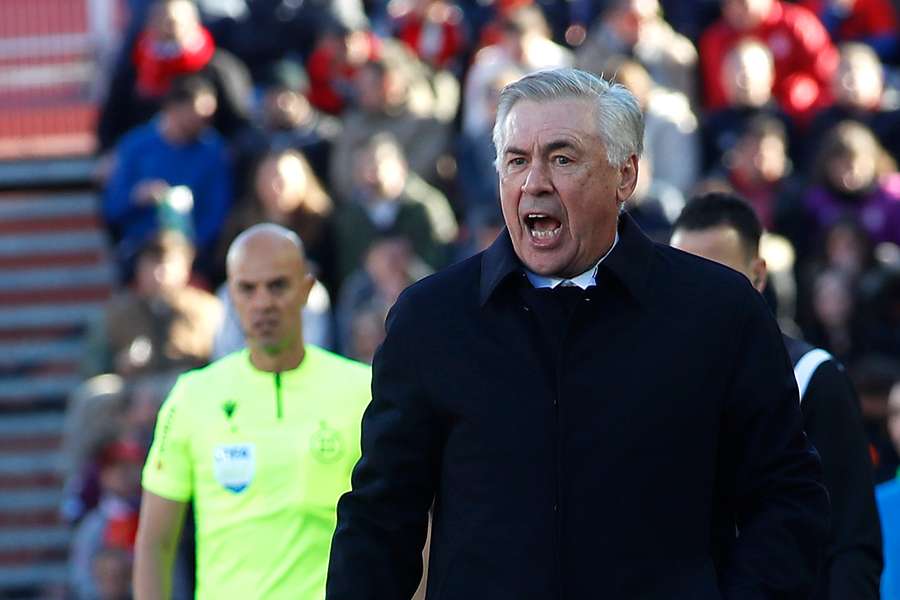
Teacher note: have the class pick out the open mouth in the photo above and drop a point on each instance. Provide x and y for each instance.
(542, 227)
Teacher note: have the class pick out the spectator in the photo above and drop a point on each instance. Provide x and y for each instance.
(287, 192)
(855, 178)
(112, 574)
(637, 29)
(860, 96)
(670, 127)
(161, 323)
(173, 44)
(805, 59)
(476, 175)
(173, 168)
(655, 204)
(524, 43)
(836, 325)
(113, 524)
(757, 168)
(389, 267)
(367, 332)
(382, 205)
(338, 55)
(748, 73)
(871, 22)
(288, 121)
(433, 29)
(393, 96)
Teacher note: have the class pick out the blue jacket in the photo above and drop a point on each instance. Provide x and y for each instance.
(202, 166)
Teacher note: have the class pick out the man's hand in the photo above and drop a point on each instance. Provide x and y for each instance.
(150, 192)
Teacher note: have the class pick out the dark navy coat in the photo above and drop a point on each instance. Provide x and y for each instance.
(647, 444)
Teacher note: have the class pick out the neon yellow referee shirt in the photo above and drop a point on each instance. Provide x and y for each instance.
(264, 457)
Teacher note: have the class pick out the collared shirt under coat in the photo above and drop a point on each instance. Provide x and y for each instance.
(619, 470)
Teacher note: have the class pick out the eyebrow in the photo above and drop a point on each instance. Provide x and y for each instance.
(550, 147)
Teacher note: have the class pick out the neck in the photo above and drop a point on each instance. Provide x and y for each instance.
(286, 359)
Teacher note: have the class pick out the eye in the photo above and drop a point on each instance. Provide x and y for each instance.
(278, 286)
(516, 161)
(561, 160)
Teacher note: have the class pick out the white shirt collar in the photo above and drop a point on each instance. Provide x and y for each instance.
(584, 281)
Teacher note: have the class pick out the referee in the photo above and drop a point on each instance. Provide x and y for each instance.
(262, 442)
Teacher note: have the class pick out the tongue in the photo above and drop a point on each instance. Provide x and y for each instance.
(546, 224)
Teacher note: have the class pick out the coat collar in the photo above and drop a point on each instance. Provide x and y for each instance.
(630, 262)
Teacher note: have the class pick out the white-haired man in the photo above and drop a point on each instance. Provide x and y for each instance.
(584, 409)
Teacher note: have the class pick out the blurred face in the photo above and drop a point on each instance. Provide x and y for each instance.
(175, 22)
(122, 478)
(371, 92)
(381, 171)
(284, 109)
(761, 160)
(269, 285)
(559, 195)
(852, 172)
(159, 274)
(281, 184)
(748, 77)
(187, 120)
(859, 83)
(744, 15)
(845, 249)
(832, 302)
(722, 244)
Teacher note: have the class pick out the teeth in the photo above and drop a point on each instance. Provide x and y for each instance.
(543, 235)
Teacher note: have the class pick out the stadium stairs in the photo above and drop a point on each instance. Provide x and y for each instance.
(54, 276)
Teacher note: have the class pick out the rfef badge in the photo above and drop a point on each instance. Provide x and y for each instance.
(326, 445)
(234, 466)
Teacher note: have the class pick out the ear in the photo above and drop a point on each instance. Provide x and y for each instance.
(759, 271)
(628, 176)
(306, 286)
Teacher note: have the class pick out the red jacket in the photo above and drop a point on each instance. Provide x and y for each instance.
(805, 58)
(867, 18)
(442, 49)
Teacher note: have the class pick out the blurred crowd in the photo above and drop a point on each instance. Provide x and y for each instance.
(366, 126)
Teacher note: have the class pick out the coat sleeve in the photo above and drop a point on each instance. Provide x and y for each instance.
(834, 426)
(769, 470)
(376, 553)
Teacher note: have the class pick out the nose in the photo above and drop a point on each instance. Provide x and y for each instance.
(537, 180)
(261, 299)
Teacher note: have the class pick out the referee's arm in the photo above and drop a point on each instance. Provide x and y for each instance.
(157, 543)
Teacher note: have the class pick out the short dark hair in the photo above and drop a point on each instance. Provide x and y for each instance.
(188, 88)
(716, 209)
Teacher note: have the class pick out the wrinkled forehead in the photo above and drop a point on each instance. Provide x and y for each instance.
(530, 120)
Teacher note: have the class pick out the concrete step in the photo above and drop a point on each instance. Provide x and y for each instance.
(18, 207)
(31, 351)
(27, 463)
(52, 243)
(18, 538)
(34, 499)
(18, 387)
(49, 278)
(77, 313)
(32, 575)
